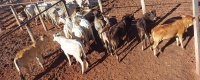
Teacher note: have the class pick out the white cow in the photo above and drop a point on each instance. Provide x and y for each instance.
(86, 25)
(78, 33)
(67, 29)
(30, 11)
(72, 47)
(53, 14)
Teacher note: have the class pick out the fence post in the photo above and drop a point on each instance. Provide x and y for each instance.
(100, 6)
(30, 31)
(196, 35)
(143, 6)
(44, 26)
(15, 15)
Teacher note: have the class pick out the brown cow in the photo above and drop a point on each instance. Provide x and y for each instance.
(34, 51)
(171, 30)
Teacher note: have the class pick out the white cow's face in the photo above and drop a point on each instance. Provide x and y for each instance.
(21, 17)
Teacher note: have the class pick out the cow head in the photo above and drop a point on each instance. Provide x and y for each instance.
(21, 17)
(128, 18)
(187, 19)
(151, 15)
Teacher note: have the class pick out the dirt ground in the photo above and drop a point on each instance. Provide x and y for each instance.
(173, 64)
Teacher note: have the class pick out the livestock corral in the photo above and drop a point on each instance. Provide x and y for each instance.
(134, 62)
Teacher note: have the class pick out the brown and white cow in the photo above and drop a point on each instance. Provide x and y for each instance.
(168, 31)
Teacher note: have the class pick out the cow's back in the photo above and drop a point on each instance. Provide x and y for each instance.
(165, 31)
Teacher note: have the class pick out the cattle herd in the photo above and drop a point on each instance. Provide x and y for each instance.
(78, 32)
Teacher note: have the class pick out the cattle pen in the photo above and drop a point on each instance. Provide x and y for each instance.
(134, 64)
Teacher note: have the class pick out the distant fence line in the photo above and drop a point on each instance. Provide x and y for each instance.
(27, 22)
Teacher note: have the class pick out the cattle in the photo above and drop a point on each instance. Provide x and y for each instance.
(42, 6)
(20, 16)
(143, 27)
(85, 25)
(67, 29)
(78, 33)
(72, 47)
(33, 51)
(99, 24)
(54, 16)
(30, 11)
(118, 31)
(168, 31)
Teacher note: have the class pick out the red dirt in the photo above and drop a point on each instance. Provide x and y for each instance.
(173, 64)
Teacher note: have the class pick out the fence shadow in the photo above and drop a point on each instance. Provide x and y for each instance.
(170, 12)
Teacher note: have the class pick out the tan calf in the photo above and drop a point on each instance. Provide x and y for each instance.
(30, 52)
(171, 30)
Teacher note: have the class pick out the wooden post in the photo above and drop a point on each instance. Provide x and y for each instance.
(65, 8)
(30, 32)
(44, 26)
(100, 6)
(196, 34)
(143, 6)
(15, 15)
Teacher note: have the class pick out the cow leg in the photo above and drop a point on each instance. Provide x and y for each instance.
(18, 66)
(154, 47)
(86, 59)
(181, 41)
(146, 38)
(143, 44)
(40, 60)
(68, 58)
(81, 62)
(177, 41)
(27, 69)
(141, 35)
(116, 56)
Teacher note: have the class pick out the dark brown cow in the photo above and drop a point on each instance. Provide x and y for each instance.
(143, 28)
(171, 30)
(117, 31)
